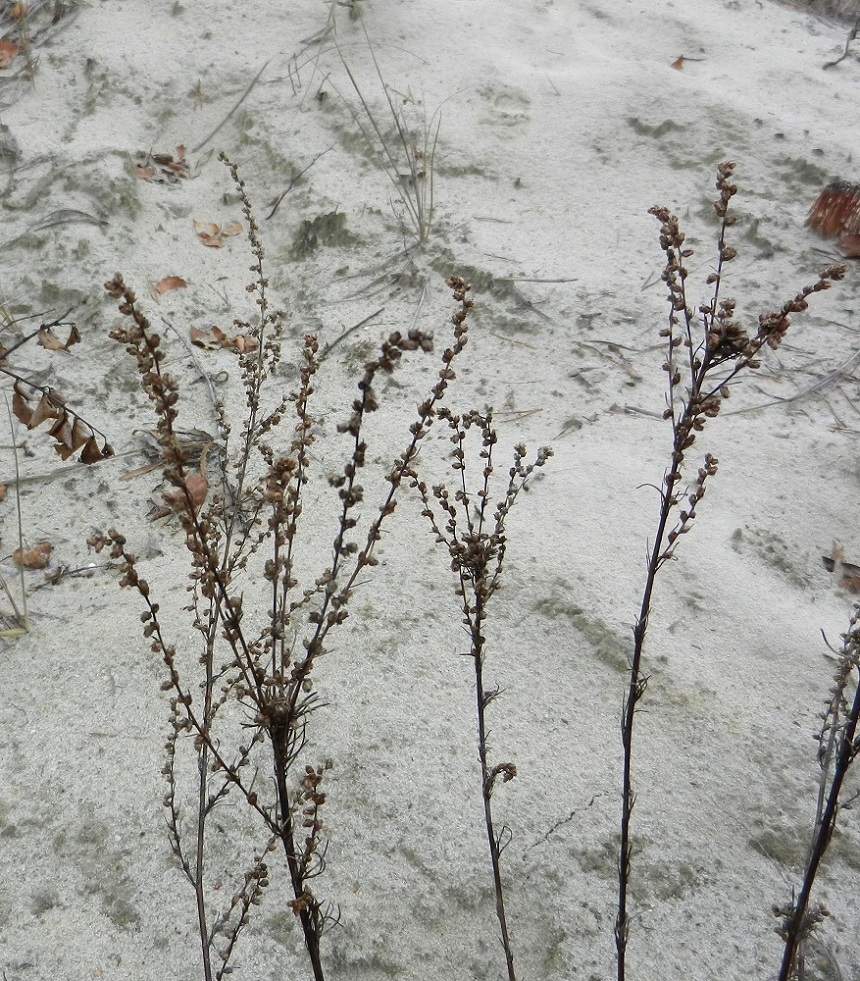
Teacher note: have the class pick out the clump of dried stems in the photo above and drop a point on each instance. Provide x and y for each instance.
(707, 349)
(406, 156)
(241, 703)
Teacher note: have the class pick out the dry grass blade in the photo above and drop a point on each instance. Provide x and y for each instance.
(15, 622)
(415, 188)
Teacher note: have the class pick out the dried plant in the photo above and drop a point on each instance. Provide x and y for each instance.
(843, 10)
(838, 746)
(33, 403)
(476, 540)
(406, 155)
(241, 702)
(706, 351)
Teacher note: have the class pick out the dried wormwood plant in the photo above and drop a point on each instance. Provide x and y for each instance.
(706, 351)
(476, 541)
(838, 746)
(249, 711)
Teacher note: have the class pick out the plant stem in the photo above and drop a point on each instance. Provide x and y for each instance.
(487, 779)
(635, 689)
(297, 877)
(795, 926)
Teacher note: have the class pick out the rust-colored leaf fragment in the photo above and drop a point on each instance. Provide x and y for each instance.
(678, 64)
(215, 338)
(162, 168)
(836, 210)
(92, 453)
(198, 488)
(847, 574)
(169, 283)
(36, 557)
(8, 51)
(212, 235)
(46, 408)
(849, 246)
(196, 485)
(49, 340)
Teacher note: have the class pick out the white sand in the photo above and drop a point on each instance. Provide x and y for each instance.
(561, 124)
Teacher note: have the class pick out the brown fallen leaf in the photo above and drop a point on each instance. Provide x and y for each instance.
(8, 51)
(3, 490)
(849, 246)
(197, 486)
(836, 210)
(169, 283)
(212, 235)
(50, 342)
(36, 557)
(678, 64)
(162, 168)
(847, 573)
(215, 338)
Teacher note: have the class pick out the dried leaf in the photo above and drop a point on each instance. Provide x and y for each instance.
(849, 246)
(197, 485)
(62, 431)
(69, 431)
(47, 408)
(36, 557)
(836, 210)
(8, 51)
(678, 64)
(169, 283)
(29, 415)
(92, 453)
(49, 340)
(212, 235)
(21, 410)
(162, 168)
(140, 471)
(3, 490)
(847, 573)
(215, 338)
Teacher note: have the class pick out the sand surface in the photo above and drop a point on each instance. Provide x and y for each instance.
(559, 124)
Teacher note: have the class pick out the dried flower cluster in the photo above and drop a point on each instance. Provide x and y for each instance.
(706, 351)
(476, 540)
(700, 344)
(248, 690)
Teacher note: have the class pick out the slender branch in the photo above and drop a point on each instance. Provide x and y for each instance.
(697, 387)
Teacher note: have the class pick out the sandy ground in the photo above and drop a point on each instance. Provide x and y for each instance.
(560, 124)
